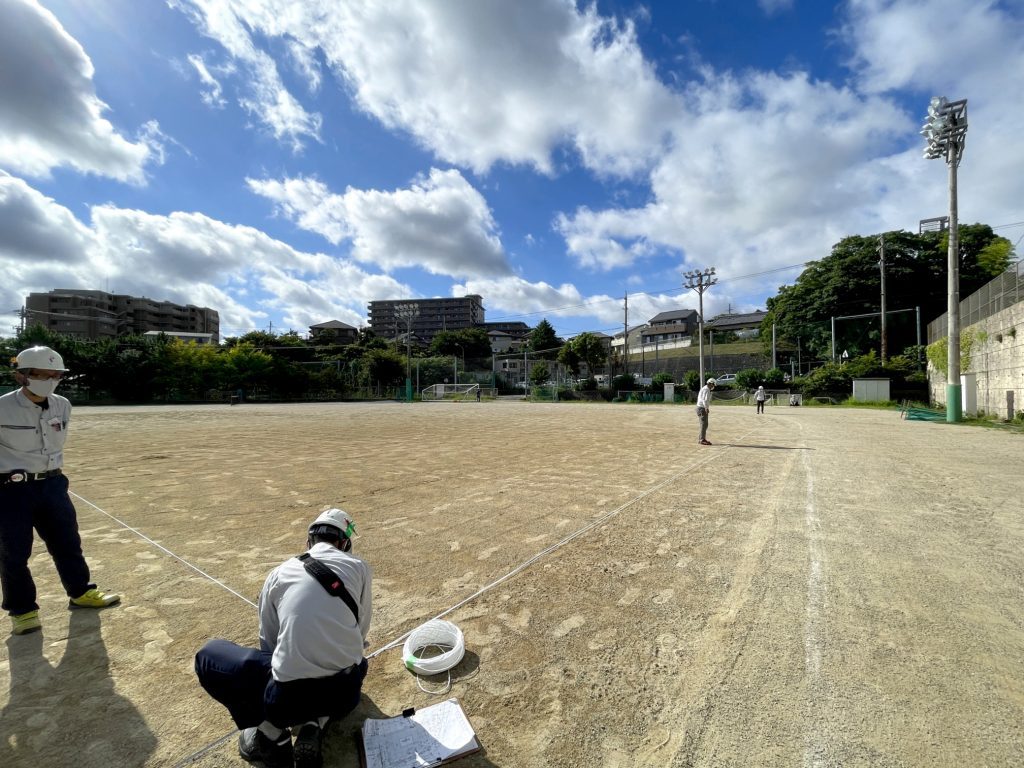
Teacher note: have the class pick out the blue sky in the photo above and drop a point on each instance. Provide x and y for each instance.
(287, 162)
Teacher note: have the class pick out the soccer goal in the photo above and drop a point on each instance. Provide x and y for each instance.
(450, 392)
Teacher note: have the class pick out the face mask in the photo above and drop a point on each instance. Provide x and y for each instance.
(42, 387)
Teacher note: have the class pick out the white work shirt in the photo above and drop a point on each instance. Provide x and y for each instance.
(32, 438)
(310, 632)
(704, 398)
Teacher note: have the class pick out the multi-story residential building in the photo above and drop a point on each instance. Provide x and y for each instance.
(101, 315)
(425, 317)
(670, 326)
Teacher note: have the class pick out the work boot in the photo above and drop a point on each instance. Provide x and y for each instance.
(705, 442)
(23, 623)
(93, 598)
(309, 746)
(255, 747)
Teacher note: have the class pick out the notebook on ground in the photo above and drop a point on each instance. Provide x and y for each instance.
(425, 738)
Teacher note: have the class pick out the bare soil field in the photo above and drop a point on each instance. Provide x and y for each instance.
(821, 587)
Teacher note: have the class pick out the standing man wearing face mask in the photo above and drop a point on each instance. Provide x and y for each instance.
(34, 492)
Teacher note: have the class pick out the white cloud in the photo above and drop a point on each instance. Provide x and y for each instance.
(440, 223)
(772, 170)
(518, 299)
(475, 83)
(51, 116)
(267, 98)
(183, 257)
(961, 49)
(766, 159)
(772, 7)
(213, 94)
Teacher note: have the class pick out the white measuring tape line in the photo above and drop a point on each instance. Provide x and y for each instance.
(162, 548)
(402, 638)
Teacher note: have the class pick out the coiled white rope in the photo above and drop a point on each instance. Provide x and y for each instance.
(441, 635)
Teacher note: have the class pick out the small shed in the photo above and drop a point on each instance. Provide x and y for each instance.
(871, 390)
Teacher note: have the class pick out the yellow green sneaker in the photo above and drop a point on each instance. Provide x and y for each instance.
(94, 599)
(26, 622)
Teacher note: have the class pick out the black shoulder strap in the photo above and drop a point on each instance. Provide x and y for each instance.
(330, 581)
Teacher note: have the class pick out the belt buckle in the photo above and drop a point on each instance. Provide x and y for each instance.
(17, 477)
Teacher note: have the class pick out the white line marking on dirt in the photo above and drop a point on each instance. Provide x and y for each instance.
(162, 548)
(814, 748)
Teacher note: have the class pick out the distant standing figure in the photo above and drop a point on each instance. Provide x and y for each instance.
(703, 406)
(759, 398)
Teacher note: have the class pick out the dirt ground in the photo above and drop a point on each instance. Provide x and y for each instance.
(822, 587)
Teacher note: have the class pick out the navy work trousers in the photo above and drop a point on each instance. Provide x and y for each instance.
(241, 680)
(45, 506)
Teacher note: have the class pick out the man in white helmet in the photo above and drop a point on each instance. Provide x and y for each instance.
(703, 407)
(34, 491)
(309, 668)
(759, 397)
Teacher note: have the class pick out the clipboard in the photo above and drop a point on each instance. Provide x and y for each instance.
(425, 738)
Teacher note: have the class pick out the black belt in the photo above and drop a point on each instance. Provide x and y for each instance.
(20, 476)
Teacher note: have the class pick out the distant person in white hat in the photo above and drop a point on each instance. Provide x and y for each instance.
(34, 491)
(703, 407)
(309, 668)
(759, 398)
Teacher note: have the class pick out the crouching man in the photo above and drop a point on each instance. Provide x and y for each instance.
(314, 619)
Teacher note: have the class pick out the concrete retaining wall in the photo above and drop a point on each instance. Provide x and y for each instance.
(997, 358)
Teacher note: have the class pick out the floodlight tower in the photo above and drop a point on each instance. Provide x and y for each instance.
(945, 130)
(699, 281)
(407, 313)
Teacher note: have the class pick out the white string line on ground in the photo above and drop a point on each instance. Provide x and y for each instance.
(162, 548)
(522, 566)
(815, 753)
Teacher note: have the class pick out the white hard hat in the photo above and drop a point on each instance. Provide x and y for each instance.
(711, 381)
(41, 358)
(760, 386)
(335, 518)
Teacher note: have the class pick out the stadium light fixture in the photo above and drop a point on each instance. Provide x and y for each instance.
(407, 313)
(700, 281)
(945, 130)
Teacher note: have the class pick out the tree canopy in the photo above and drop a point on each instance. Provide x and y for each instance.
(848, 282)
(544, 342)
(585, 348)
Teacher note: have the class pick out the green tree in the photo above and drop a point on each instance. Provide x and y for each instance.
(383, 367)
(570, 358)
(848, 282)
(691, 381)
(588, 350)
(543, 341)
(468, 342)
(246, 367)
(539, 374)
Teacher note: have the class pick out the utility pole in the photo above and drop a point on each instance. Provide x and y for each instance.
(625, 333)
(881, 264)
(699, 281)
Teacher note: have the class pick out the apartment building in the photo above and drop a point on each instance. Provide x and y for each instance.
(426, 317)
(100, 315)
